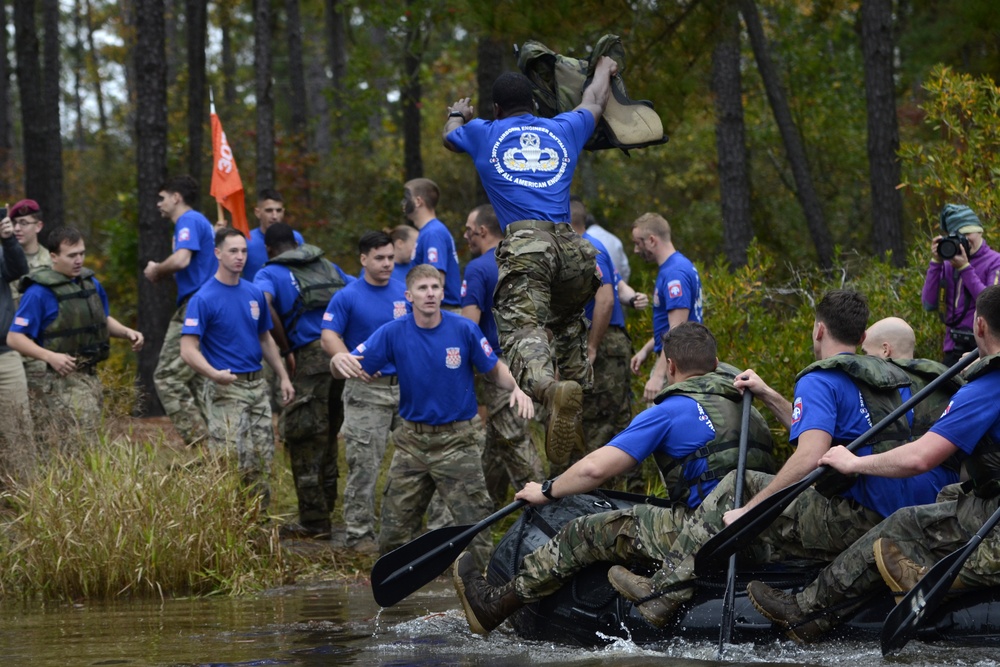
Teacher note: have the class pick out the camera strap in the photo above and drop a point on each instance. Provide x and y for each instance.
(956, 281)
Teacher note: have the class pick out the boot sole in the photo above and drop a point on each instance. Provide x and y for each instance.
(631, 122)
(565, 423)
(791, 633)
(470, 616)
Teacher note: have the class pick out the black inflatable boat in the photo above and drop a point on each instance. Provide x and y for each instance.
(588, 611)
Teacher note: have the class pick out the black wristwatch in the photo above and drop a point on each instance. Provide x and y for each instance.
(456, 114)
(547, 489)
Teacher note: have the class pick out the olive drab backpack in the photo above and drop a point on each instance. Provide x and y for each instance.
(559, 81)
(316, 278)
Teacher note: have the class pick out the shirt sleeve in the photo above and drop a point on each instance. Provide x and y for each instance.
(335, 317)
(194, 317)
(814, 406)
(643, 436)
(376, 351)
(37, 310)
(435, 249)
(265, 282)
(264, 322)
(467, 135)
(104, 297)
(579, 124)
(483, 357)
(186, 234)
(475, 287)
(968, 417)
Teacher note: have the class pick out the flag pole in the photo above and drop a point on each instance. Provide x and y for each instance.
(211, 112)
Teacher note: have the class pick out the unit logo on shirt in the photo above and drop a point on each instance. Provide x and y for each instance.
(398, 309)
(948, 409)
(432, 255)
(674, 289)
(797, 411)
(656, 297)
(485, 344)
(453, 357)
(600, 274)
(465, 288)
(534, 153)
(184, 234)
(254, 310)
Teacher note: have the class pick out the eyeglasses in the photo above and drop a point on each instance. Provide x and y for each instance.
(23, 223)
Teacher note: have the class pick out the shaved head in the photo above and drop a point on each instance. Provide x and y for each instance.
(890, 338)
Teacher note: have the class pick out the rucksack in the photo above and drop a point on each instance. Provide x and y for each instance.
(558, 82)
(316, 278)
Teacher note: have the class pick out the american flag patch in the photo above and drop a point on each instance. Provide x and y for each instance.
(328, 317)
(191, 322)
(21, 321)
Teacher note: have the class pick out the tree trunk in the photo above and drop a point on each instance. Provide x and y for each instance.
(94, 68)
(381, 83)
(78, 67)
(336, 53)
(413, 41)
(805, 189)
(174, 37)
(883, 129)
(29, 84)
(317, 89)
(730, 139)
(155, 301)
(6, 123)
(228, 55)
(265, 99)
(490, 53)
(51, 94)
(196, 15)
(299, 102)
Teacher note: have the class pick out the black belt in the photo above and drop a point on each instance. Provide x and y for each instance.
(249, 377)
(417, 427)
(542, 225)
(390, 380)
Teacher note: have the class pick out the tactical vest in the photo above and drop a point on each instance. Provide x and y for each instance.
(315, 277)
(81, 327)
(879, 382)
(983, 465)
(927, 411)
(721, 401)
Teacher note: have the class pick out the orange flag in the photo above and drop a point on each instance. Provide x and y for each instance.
(227, 188)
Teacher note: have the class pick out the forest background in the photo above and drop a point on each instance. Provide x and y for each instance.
(812, 142)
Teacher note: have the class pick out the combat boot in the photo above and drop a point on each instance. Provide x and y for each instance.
(564, 401)
(658, 611)
(783, 610)
(900, 573)
(486, 607)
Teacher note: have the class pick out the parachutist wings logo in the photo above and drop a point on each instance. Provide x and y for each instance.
(534, 153)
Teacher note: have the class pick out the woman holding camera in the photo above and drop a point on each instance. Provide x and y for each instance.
(964, 265)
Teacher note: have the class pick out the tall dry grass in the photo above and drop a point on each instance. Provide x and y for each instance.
(118, 518)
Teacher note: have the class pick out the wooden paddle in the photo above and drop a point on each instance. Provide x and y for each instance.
(713, 554)
(904, 620)
(729, 600)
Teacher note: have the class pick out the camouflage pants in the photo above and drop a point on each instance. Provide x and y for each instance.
(180, 389)
(449, 462)
(812, 526)
(509, 454)
(546, 278)
(65, 410)
(311, 443)
(926, 533)
(607, 408)
(371, 412)
(239, 422)
(17, 438)
(640, 536)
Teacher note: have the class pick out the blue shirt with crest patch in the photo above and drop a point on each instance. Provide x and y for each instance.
(229, 320)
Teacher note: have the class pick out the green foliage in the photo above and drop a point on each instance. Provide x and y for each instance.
(962, 165)
(114, 521)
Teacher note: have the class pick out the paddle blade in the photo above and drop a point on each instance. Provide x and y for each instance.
(903, 621)
(418, 562)
(714, 554)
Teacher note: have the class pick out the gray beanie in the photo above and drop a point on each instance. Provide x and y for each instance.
(958, 218)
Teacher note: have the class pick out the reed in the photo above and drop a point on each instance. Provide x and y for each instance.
(118, 518)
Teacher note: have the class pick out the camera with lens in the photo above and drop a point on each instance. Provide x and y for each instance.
(948, 246)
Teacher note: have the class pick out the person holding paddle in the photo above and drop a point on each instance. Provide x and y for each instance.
(837, 398)
(698, 412)
(970, 425)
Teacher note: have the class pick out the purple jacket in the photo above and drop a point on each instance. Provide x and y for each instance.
(983, 271)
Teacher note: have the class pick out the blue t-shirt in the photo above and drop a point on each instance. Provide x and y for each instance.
(257, 253)
(609, 276)
(677, 286)
(279, 281)
(399, 271)
(481, 276)
(194, 232)
(676, 427)
(435, 373)
(972, 414)
(435, 246)
(356, 311)
(229, 320)
(829, 401)
(39, 308)
(526, 163)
